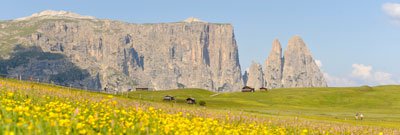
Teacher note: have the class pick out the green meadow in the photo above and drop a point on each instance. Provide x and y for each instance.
(380, 105)
(277, 111)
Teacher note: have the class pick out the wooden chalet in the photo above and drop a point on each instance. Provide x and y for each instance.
(142, 89)
(168, 98)
(190, 101)
(263, 89)
(247, 89)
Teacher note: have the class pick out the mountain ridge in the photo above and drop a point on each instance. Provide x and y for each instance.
(54, 13)
(295, 67)
(105, 54)
(119, 56)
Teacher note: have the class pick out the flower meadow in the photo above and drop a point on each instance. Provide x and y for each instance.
(30, 108)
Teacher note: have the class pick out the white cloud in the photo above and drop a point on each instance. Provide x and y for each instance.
(360, 70)
(361, 75)
(392, 9)
(366, 75)
(319, 63)
(334, 81)
(383, 78)
(339, 81)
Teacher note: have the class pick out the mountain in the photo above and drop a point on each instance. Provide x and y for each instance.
(255, 76)
(273, 66)
(300, 69)
(83, 51)
(296, 68)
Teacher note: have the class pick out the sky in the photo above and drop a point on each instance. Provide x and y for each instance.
(354, 42)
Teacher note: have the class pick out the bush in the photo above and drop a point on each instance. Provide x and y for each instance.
(202, 103)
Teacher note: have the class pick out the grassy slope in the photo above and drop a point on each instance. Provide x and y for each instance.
(18, 29)
(380, 105)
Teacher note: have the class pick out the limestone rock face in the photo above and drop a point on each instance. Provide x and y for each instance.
(296, 68)
(273, 66)
(125, 56)
(255, 76)
(300, 69)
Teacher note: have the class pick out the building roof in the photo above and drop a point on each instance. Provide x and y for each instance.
(247, 87)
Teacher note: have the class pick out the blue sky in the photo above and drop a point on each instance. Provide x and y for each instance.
(356, 41)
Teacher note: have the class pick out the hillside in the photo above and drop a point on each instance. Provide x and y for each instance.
(28, 107)
(380, 105)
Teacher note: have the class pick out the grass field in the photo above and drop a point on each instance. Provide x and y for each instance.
(31, 108)
(380, 105)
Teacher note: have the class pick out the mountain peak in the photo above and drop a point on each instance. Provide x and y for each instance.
(276, 46)
(297, 43)
(53, 13)
(273, 66)
(300, 69)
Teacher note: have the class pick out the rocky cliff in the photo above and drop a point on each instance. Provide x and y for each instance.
(255, 76)
(82, 51)
(296, 68)
(273, 66)
(300, 69)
